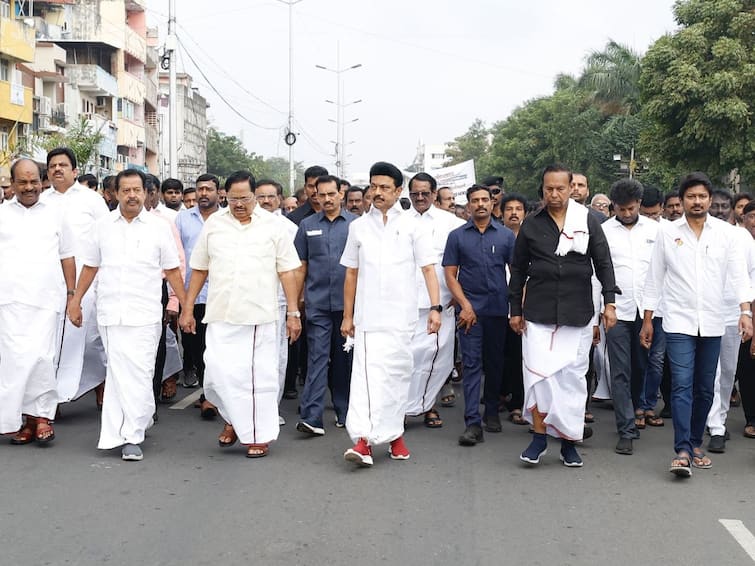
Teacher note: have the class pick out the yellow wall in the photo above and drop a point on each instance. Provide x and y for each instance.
(14, 112)
(17, 40)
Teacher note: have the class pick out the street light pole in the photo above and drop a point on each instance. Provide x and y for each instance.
(290, 137)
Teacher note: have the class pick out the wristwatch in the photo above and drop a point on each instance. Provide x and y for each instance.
(295, 314)
(438, 308)
(746, 313)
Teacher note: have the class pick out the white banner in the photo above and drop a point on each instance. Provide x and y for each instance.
(459, 177)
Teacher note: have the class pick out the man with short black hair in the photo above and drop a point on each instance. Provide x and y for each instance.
(311, 206)
(696, 257)
(722, 205)
(190, 197)
(383, 251)
(445, 199)
(355, 200)
(651, 205)
(172, 197)
(130, 249)
(740, 201)
(672, 206)
(495, 184)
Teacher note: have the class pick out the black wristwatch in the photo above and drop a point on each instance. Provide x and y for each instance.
(438, 308)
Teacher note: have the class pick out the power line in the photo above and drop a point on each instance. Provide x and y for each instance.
(216, 91)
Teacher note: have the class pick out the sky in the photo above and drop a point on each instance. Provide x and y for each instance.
(429, 68)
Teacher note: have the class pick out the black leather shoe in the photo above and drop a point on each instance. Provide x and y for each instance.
(290, 394)
(492, 423)
(666, 412)
(472, 435)
(717, 444)
(587, 433)
(624, 446)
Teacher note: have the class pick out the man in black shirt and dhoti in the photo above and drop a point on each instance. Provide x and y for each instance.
(554, 256)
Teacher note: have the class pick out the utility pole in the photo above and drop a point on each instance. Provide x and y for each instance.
(290, 137)
(170, 46)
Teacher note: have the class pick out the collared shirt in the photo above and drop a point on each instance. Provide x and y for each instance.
(630, 253)
(243, 261)
(291, 230)
(482, 258)
(559, 290)
(439, 223)
(169, 213)
(32, 242)
(320, 242)
(387, 257)
(189, 223)
(692, 273)
(131, 257)
(82, 207)
(301, 212)
(173, 304)
(747, 243)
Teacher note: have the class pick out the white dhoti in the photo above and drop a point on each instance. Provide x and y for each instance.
(282, 350)
(724, 384)
(81, 359)
(27, 371)
(380, 378)
(433, 356)
(554, 362)
(173, 362)
(129, 402)
(241, 378)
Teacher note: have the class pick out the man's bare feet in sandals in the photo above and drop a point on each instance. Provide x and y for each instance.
(227, 437)
(257, 450)
(45, 432)
(700, 460)
(680, 466)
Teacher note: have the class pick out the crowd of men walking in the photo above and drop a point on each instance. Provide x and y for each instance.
(384, 302)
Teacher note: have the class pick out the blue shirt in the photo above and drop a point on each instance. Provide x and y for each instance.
(481, 258)
(320, 242)
(189, 223)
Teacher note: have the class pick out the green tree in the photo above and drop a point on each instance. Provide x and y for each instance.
(698, 89)
(471, 145)
(83, 140)
(611, 77)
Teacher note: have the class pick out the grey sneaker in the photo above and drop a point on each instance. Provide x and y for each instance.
(131, 453)
(190, 380)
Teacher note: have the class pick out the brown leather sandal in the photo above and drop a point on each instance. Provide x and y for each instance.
(257, 450)
(45, 432)
(169, 389)
(27, 432)
(228, 437)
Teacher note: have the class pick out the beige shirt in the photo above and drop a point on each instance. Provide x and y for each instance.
(243, 261)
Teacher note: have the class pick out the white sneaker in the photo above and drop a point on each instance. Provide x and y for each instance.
(307, 428)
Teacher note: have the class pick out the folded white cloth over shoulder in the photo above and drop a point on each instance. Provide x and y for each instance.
(574, 237)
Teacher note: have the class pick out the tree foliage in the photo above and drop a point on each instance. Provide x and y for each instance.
(81, 137)
(698, 89)
(226, 154)
(473, 144)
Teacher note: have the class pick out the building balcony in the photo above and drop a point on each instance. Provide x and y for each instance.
(131, 87)
(150, 138)
(17, 40)
(135, 45)
(16, 102)
(150, 94)
(92, 79)
(130, 134)
(101, 125)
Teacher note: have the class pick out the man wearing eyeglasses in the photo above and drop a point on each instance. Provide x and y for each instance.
(433, 353)
(601, 203)
(245, 253)
(495, 184)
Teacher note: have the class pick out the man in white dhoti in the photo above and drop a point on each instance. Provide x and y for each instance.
(129, 250)
(81, 362)
(383, 251)
(433, 353)
(36, 252)
(554, 256)
(245, 252)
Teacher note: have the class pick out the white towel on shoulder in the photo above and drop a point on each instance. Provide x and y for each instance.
(574, 237)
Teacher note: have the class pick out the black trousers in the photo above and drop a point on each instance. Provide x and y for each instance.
(194, 345)
(746, 376)
(157, 378)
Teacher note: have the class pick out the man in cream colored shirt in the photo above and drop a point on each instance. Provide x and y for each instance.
(245, 253)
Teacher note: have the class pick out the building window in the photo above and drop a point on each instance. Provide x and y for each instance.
(4, 70)
(4, 8)
(126, 109)
(4, 138)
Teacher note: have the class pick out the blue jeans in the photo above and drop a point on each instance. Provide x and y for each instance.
(693, 361)
(482, 352)
(327, 365)
(627, 362)
(654, 370)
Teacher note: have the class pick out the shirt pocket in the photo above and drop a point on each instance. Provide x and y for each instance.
(316, 244)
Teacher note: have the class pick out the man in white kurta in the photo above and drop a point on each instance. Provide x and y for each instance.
(245, 253)
(433, 354)
(37, 258)
(384, 249)
(81, 362)
(129, 249)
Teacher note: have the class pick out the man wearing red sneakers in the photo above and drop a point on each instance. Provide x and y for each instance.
(383, 250)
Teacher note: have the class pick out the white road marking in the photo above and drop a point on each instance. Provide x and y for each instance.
(187, 401)
(741, 534)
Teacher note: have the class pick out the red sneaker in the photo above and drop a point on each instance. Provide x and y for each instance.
(398, 450)
(360, 455)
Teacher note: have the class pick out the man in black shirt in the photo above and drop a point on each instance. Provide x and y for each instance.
(554, 255)
(311, 206)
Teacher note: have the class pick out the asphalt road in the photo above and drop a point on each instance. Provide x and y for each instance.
(189, 502)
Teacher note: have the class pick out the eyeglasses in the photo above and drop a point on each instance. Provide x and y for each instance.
(233, 200)
(495, 191)
(600, 205)
(423, 194)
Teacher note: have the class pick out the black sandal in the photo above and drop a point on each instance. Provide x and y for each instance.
(432, 419)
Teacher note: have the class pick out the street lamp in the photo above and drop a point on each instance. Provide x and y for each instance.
(290, 137)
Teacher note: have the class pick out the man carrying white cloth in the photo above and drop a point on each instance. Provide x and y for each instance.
(129, 249)
(554, 257)
(245, 252)
(37, 257)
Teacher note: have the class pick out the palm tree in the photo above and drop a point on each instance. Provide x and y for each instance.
(612, 78)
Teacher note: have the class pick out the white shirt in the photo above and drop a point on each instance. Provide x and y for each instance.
(692, 274)
(731, 304)
(439, 223)
(243, 261)
(291, 229)
(168, 213)
(387, 256)
(131, 257)
(32, 242)
(630, 253)
(82, 207)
